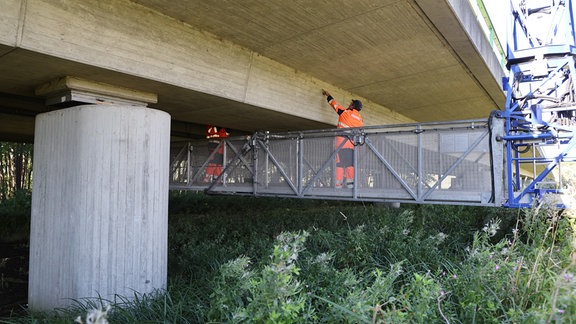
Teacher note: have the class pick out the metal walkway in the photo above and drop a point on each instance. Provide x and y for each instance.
(485, 163)
(432, 163)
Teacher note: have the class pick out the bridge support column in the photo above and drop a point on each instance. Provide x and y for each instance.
(99, 204)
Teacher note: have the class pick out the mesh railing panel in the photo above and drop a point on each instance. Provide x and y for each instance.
(437, 163)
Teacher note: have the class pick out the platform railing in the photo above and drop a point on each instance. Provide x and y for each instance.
(437, 163)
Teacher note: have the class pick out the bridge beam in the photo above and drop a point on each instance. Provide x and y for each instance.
(100, 204)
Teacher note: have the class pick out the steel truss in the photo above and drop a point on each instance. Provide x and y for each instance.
(541, 98)
(432, 163)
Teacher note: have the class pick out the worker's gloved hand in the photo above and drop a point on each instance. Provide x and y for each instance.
(324, 92)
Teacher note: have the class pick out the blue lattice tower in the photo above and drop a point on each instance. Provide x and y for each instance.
(541, 96)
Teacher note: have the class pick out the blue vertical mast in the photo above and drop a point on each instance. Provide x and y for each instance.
(541, 97)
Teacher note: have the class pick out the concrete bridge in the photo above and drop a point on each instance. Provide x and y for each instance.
(78, 77)
(256, 65)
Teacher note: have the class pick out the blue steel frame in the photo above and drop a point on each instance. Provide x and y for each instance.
(540, 88)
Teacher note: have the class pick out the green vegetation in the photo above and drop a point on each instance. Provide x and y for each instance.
(15, 217)
(249, 259)
(15, 168)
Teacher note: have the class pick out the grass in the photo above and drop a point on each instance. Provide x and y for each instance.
(250, 259)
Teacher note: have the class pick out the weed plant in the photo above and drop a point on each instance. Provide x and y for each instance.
(270, 260)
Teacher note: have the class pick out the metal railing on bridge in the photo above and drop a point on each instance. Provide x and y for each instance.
(433, 163)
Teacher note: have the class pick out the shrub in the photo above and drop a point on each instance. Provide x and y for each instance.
(272, 294)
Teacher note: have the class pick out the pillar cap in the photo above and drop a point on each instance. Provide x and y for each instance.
(70, 91)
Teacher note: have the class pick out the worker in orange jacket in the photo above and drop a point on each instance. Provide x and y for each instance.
(348, 117)
(214, 136)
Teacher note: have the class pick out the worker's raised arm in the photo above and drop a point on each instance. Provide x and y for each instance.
(333, 103)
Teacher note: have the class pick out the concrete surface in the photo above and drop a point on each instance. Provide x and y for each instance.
(99, 222)
(256, 64)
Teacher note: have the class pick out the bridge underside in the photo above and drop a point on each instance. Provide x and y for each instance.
(255, 65)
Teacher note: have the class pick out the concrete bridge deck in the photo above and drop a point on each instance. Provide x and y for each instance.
(249, 65)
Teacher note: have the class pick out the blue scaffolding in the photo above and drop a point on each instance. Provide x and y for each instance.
(541, 98)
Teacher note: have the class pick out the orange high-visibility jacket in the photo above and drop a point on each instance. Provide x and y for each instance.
(347, 118)
(222, 133)
(211, 132)
(214, 132)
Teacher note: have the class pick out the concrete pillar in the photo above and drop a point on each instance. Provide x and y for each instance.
(99, 204)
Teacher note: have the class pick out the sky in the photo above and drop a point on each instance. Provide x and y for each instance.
(499, 12)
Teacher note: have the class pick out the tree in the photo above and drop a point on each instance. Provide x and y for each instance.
(15, 168)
